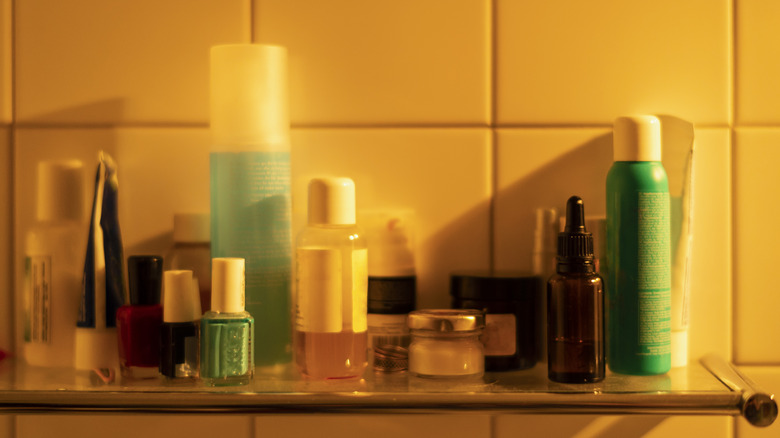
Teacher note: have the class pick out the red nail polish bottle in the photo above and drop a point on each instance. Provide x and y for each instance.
(139, 322)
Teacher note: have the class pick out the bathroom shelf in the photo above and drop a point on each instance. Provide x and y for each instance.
(711, 387)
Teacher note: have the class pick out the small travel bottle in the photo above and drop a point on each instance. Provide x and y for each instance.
(332, 280)
(53, 268)
(575, 306)
(139, 322)
(181, 318)
(192, 251)
(226, 331)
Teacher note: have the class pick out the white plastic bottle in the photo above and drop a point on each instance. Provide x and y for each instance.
(332, 285)
(54, 257)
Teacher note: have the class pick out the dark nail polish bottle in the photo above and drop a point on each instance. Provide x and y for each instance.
(181, 319)
(575, 306)
(138, 323)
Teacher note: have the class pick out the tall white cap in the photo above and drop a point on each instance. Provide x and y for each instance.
(679, 348)
(249, 105)
(191, 227)
(637, 138)
(390, 246)
(60, 190)
(227, 285)
(331, 201)
(181, 300)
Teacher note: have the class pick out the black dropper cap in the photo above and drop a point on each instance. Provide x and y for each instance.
(575, 243)
(145, 277)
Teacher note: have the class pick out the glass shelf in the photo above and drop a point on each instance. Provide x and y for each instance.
(711, 387)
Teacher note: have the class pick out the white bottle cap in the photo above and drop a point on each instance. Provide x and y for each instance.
(331, 201)
(637, 138)
(389, 239)
(249, 97)
(191, 227)
(545, 248)
(679, 348)
(181, 301)
(227, 285)
(60, 190)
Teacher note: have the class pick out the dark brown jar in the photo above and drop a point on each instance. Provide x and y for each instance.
(512, 302)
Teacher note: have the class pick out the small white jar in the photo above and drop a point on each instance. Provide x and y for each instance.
(445, 343)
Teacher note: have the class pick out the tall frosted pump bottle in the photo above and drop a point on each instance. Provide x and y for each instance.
(332, 285)
(638, 251)
(226, 330)
(575, 305)
(54, 251)
(250, 184)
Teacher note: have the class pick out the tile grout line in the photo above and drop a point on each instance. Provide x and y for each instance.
(11, 233)
(733, 182)
(251, 21)
(371, 126)
(492, 53)
(12, 180)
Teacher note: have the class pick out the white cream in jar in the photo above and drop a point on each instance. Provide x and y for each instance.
(445, 343)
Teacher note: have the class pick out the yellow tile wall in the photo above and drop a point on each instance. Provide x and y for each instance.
(471, 112)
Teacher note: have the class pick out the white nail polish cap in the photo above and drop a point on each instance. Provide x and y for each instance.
(227, 285)
(181, 301)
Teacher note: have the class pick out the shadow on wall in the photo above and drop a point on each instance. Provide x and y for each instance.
(454, 247)
(581, 172)
(579, 426)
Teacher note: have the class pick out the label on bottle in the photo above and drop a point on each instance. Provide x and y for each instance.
(654, 274)
(331, 299)
(357, 317)
(500, 334)
(319, 290)
(37, 299)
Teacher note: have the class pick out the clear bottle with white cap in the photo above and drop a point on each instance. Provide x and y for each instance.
(332, 285)
(53, 265)
(638, 292)
(227, 330)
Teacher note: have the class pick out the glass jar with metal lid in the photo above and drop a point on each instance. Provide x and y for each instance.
(445, 343)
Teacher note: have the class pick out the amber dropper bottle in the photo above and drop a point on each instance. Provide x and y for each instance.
(575, 305)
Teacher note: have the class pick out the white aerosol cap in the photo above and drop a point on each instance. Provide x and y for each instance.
(637, 138)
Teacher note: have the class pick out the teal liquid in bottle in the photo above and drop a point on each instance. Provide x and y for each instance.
(638, 288)
(250, 209)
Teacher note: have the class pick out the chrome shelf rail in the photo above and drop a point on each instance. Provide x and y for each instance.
(713, 387)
